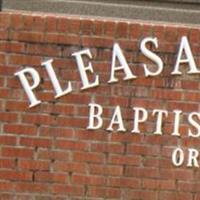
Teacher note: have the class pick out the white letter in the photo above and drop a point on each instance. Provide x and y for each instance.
(178, 159)
(176, 122)
(117, 53)
(27, 87)
(195, 124)
(189, 58)
(151, 56)
(83, 69)
(117, 119)
(54, 80)
(161, 113)
(139, 119)
(192, 158)
(93, 116)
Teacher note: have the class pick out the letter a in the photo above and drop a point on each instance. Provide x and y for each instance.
(184, 46)
(117, 119)
(117, 53)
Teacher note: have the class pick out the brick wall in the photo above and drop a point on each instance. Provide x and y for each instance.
(46, 152)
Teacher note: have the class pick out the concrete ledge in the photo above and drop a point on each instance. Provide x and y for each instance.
(185, 13)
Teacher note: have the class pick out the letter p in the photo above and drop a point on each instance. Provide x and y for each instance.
(27, 87)
(139, 119)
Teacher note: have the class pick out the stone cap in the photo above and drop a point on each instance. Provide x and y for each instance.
(176, 11)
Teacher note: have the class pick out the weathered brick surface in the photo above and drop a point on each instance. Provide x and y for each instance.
(46, 151)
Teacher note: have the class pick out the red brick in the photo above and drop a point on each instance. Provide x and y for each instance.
(90, 135)
(16, 106)
(7, 163)
(166, 94)
(106, 170)
(159, 184)
(12, 47)
(27, 22)
(190, 85)
(24, 36)
(33, 165)
(151, 162)
(38, 119)
(5, 186)
(55, 38)
(109, 28)
(5, 21)
(62, 25)
(65, 189)
(20, 129)
(88, 157)
(15, 175)
(56, 131)
(122, 30)
(98, 27)
(171, 34)
(133, 138)
(88, 180)
(75, 26)
(74, 122)
(143, 150)
(16, 21)
(194, 35)
(192, 96)
(8, 117)
(8, 94)
(182, 174)
(58, 109)
(46, 50)
(97, 42)
(147, 30)
(185, 107)
(50, 177)
(35, 142)
(8, 70)
(158, 32)
(124, 182)
(53, 155)
(135, 31)
(31, 187)
(70, 167)
(104, 192)
(124, 160)
(51, 24)
(128, 45)
(141, 194)
(107, 148)
(17, 152)
(172, 195)
(38, 23)
(68, 40)
(2, 59)
(3, 35)
(183, 195)
(146, 172)
(8, 140)
(24, 60)
(86, 27)
(164, 139)
(71, 145)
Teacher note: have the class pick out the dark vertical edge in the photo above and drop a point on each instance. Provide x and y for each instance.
(1, 5)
